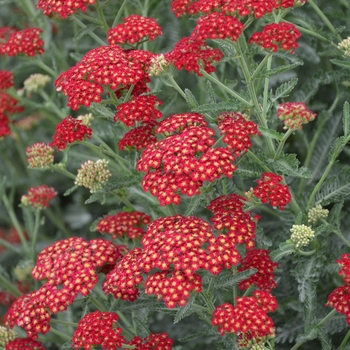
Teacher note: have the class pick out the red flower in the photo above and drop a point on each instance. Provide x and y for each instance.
(339, 299)
(25, 41)
(277, 35)
(237, 131)
(264, 278)
(4, 125)
(217, 26)
(270, 190)
(120, 224)
(68, 131)
(344, 262)
(24, 344)
(39, 197)
(189, 54)
(155, 341)
(140, 137)
(134, 29)
(257, 8)
(140, 108)
(98, 328)
(64, 8)
(6, 79)
(5, 33)
(9, 104)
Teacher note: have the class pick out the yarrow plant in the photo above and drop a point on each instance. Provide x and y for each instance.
(174, 174)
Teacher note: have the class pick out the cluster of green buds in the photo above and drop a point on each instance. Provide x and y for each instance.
(158, 65)
(23, 270)
(93, 175)
(86, 119)
(316, 213)
(302, 235)
(6, 335)
(35, 82)
(344, 45)
(40, 155)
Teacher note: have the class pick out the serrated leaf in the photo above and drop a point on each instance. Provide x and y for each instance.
(271, 133)
(190, 99)
(284, 249)
(261, 238)
(334, 189)
(227, 282)
(284, 89)
(202, 200)
(218, 107)
(186, 310)
(66, 346)
(84, 31)
(70, 190)
(121, 182)
(288, 165)
(210, 91)
(337, 146)
(281, 69)
(346, 118)
(192, 336)
(345, 64)
(144, 327)
(101, 111)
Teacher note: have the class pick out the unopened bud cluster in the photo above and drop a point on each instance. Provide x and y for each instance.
(39, 155)
(6, 335)
(93, 175)
(294, 114)
(345, 46)
(301, 235)
(317, 213)
(158, 65)
(86, 119)
(36, 82)
(23, 271)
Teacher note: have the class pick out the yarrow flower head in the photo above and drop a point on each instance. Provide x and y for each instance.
(93, 175)
(344, 45)
(133, 29)
(154, 341)
(63, 8)
(6, 79)
(25, 41)
(294, 114)
(158, 65)
(24, 344)
(316, 213)
(277, 35)
(40, 155)
(68, 131)
(98, 328)
(39, 197)
(190, 54)
(6, 335)
(120, 224)
(237, 131)
(302, 235)
(270, 190)
(35, 82)
(248, 319)
(264, 278)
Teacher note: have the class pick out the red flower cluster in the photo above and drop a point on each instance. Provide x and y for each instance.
(134, 29)
(271, 190)
(98, 328)
(230, 218)
(237, 131)
(5, 33)
(217, 26)
(25, 41)
(248, 319)
(6, 79)
(105, 65)
(24, 344)
(155, 341)
(190, 54)
(140, 108)
(339, 299)
(120, 224)
(294, 114)
(39, 197)
(277, 35)
(64, 8)
(125, 277)
(263, 279)
(140, 137)
(181, 162)
(68, 131)
(4, 124)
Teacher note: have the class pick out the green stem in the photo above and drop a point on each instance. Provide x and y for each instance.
(282, 143)
(324, 19)
(309, 253)
(124, 200)
(60, 334)
(340, 235)
(9, 286)
(97, 303)
(101, 16)
(176, 86)
(43, 66)
(35, 231)
(54, 320)
(260, 66)
(9, 246)
(89, 18)
(326, 318)
(345, 340)
(252, 156)
(247, 292)
(61, 170)
(15, 222)
(52, 105)
(119, 14)
(225, 88)
(93, 35)
(209, 303)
